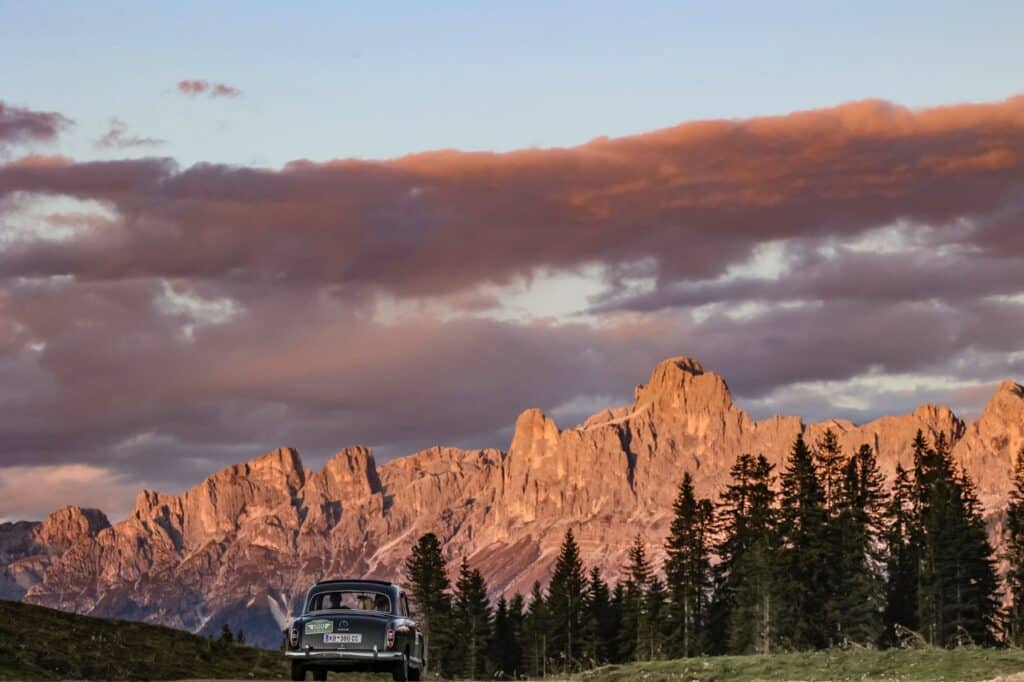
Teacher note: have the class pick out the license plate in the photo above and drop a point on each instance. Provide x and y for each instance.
(343, 638)
(317, 626)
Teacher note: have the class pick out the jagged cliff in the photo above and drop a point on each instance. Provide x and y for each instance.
(244, 544)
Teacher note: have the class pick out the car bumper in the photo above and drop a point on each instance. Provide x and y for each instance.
(343, 656)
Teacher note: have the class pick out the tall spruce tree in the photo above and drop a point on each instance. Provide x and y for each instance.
(1013, 555)
(655, 619)
(567, 604)
(857, 591)
(957, 583)
(601, 622)
(688, 570)
(902, 560)
(744, 608)
(537, 624)
(505, 648)
(471, 623)
(634, 621)
(429, 585)
(805, 550)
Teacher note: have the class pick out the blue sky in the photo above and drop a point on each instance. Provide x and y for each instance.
(328, 80)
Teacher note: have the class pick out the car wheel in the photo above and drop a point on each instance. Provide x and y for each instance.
(298, 671)
(320, 675)
(401, 670)
(415, 674)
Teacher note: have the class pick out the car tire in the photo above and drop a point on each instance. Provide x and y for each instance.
(298, 672)
(320, 675)
(415, 674)
(401, 670)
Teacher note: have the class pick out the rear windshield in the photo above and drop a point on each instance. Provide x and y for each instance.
(354, 600)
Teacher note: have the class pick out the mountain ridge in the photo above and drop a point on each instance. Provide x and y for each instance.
(242, 545)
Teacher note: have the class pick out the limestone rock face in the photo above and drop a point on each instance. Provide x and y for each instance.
(27, 549)
(242, 546)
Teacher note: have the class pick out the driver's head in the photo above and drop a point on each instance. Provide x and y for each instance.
(333, 600)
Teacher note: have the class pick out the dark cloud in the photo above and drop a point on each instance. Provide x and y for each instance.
(195, 88)
(19, 125)
(214, 312)
(117, 137)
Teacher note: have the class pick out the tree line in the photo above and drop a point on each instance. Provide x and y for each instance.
(822, 554)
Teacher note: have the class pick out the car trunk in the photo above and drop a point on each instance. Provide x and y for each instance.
(349, 630)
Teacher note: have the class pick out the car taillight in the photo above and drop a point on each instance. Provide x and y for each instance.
(390, 638)
(293, 636)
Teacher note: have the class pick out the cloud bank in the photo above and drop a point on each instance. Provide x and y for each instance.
(845, 262)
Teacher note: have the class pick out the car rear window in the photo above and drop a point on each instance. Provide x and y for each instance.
(350, 600)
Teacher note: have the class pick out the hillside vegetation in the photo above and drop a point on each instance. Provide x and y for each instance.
(966, 664)
(37, 643)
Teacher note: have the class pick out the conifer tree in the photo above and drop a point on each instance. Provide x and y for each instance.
(505, 649)
(617, 627)
(429, 585)
(567, 603)
(902, 559)
(471, 623)
(1013, 538)
(688, 569)
(744, 608)
(634, 622)
(857, 591)
(537, 623)
(957, 584)
(829, 459)
(804, 553)
(601, 626)
(655, 612)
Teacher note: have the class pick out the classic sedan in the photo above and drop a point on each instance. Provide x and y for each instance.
(355, 625)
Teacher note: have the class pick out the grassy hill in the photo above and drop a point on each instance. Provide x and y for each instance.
(42, 644)
(905, 664)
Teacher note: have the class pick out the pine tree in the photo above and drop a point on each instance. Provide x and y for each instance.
(957, 584)
(505, 649)
(634, 622)
(471, 623)
(744, 608)
(616, 627)
(601, 627)
(804, 554)
(857, 590)
(688, 569)
(537, 624)
(828, 456)
(1013, 538)
(902, 560)
(429, 585)
(567, 603)
(655, 612)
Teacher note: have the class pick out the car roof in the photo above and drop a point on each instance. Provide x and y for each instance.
(356, 580)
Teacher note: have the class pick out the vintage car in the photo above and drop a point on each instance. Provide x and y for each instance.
(355, 625)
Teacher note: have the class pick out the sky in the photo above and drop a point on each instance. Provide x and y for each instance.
(225, 229)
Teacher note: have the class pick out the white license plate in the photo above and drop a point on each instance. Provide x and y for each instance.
(343, 638)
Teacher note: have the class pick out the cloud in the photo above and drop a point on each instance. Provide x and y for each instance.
(195, 88)
(19, 125)
(29, 492)
(117, 137)
(205, 314)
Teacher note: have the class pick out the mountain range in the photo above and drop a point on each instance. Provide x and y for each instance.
(244, 545)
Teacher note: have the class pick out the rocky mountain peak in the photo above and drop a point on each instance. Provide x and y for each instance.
(67, 525)
(535, 434)
(350, 474)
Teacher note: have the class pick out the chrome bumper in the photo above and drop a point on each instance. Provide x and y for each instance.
(344, 655)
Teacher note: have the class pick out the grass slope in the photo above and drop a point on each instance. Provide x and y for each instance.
(37, 643)
(904, 664)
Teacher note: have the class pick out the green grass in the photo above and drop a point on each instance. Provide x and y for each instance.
(42, 644)
(905, 664)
